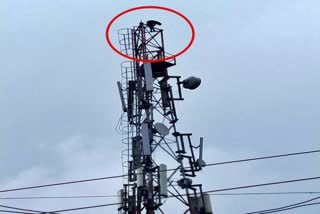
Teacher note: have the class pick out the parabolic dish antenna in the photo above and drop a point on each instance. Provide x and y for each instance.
(161, 129)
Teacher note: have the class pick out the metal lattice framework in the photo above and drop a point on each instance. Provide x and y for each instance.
(149, 128)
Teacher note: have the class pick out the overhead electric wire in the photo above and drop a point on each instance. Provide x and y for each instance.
(290, 208)
(284, 207)
(264, 184)
(11, 211)
(28, 210)
(59, 197)
(120, 176)
(258, 185)
(21, 209)
(210, 191)
(265, 157)
(84, 208)
(114, 204)
(265, 193)
(114, 196)
(62, 183)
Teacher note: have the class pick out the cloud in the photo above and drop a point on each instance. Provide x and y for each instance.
(77, 158)
(59, 104)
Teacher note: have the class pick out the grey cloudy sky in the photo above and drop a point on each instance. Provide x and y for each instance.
(259, 63)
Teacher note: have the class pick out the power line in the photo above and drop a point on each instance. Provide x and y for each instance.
(273, 183)
(29, 210)
(264, 184)
(258, 185)
(88, 207)
(54, 212)
(303, 205)
(283, 207)
(60, 197)
(120, 176)
(113, 204)
(63, 183)
(21, 209)
(289, 208)
(114, 196)
(263, 193)
(9, 211)
(211, 191)
(265, 157)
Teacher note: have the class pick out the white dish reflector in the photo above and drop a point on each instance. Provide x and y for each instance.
(161, 129)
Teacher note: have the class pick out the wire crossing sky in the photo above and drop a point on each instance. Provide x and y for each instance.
(259, 95)
(120, 176)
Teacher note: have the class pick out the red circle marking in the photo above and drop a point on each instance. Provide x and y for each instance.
(150, 7)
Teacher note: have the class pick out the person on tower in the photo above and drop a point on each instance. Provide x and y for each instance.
(152, 23)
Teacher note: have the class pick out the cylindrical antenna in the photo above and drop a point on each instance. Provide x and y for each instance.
(201, 148)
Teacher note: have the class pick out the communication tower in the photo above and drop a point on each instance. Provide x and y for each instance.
(148, 95)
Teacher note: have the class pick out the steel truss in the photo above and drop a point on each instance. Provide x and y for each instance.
(149, 94)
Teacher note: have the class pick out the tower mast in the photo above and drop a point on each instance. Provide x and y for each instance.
(148, 124)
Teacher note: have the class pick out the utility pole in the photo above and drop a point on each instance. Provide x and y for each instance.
(148, 95)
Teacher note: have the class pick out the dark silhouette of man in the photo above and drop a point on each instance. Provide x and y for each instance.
(152, 23)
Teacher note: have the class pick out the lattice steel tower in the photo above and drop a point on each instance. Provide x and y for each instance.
(148, 95)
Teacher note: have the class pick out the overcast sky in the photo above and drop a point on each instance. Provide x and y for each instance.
(260, 95)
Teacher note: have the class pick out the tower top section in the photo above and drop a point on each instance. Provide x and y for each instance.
(144, 41)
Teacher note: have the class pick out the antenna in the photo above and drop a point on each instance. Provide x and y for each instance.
(201, 148)
(124, 108)
(200, 162)
(161, 129)
(149, 126)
